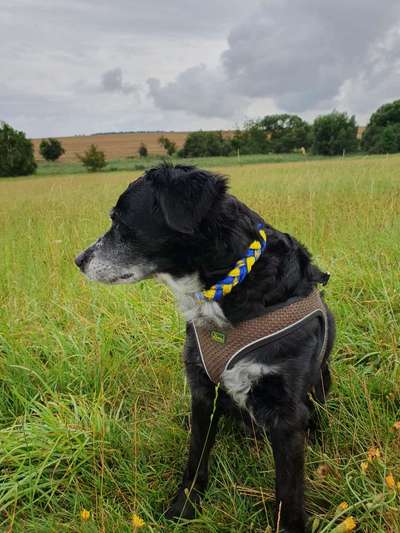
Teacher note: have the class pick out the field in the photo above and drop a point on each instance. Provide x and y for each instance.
(92, 393)
(115, 145)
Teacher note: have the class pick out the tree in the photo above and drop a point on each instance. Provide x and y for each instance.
(206, 143)
(274, 133)
(334, 134)
(382, 134)
(286, 133)
(51, 149)
(16, 152)
(93, 159)
(168, 145)
(252, 139)
(142, 151)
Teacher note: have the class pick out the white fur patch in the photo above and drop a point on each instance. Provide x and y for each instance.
(200, 312)
(238, 380)
(107, 270)
(98, 270)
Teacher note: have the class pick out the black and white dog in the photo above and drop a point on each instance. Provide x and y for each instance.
(180, 225)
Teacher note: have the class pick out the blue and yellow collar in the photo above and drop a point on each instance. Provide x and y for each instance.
(238, 272)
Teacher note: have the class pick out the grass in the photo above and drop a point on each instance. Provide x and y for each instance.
(92, 392)
(136, 163)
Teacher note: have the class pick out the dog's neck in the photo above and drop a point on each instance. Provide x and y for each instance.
(186, 289)
(238, 273)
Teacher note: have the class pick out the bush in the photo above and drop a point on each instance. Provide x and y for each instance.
(334, 134)
(51, 149)
(143, 152)
(206, 144)
(382, 134)
(93, 159)
(16, 152)
(168, 145)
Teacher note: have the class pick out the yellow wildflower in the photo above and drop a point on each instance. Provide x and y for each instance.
(390, 482)
(396, 425)
(85, 515)
(373, 453)
(347, 525)
(137, 522)
(364, 467)
(342, 507)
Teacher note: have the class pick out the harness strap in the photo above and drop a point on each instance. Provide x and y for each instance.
(220, 350)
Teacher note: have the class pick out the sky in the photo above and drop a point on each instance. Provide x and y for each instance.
(70, 67)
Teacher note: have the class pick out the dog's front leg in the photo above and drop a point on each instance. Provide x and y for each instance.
(204, 421)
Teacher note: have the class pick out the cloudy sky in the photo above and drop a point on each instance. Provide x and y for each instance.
(82, 66)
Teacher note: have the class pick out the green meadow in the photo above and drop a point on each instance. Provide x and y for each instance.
(130, 164)
(93, 396)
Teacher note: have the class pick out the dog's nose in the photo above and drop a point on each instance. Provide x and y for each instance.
(81, 259)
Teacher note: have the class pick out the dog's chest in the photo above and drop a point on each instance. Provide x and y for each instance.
(185, 289)
(236, 382)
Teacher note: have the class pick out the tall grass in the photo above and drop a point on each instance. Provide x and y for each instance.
(92, 392)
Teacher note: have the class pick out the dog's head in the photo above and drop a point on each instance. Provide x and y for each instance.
(156, 226)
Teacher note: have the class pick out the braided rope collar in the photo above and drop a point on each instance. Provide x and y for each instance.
(238, 273)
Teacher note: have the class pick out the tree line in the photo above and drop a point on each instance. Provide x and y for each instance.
(329, 135)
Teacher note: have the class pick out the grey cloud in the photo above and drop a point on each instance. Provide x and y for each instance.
(200, 90)
(378, 83)
(111, 81)
(89, 112)
(299, 53)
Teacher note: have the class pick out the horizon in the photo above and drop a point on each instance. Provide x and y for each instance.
(140, 131)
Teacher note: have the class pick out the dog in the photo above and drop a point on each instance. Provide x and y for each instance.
(180, 224)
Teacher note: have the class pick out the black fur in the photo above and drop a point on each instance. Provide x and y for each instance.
(181, 220)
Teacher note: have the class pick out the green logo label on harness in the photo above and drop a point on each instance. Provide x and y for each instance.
(218, 336)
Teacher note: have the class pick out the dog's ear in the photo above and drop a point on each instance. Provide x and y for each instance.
(186, 194)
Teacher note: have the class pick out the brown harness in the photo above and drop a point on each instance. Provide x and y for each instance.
(220, 350)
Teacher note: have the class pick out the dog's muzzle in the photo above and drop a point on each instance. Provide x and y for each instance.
(83, 258)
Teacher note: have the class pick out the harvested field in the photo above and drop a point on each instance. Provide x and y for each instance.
(115, 145)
